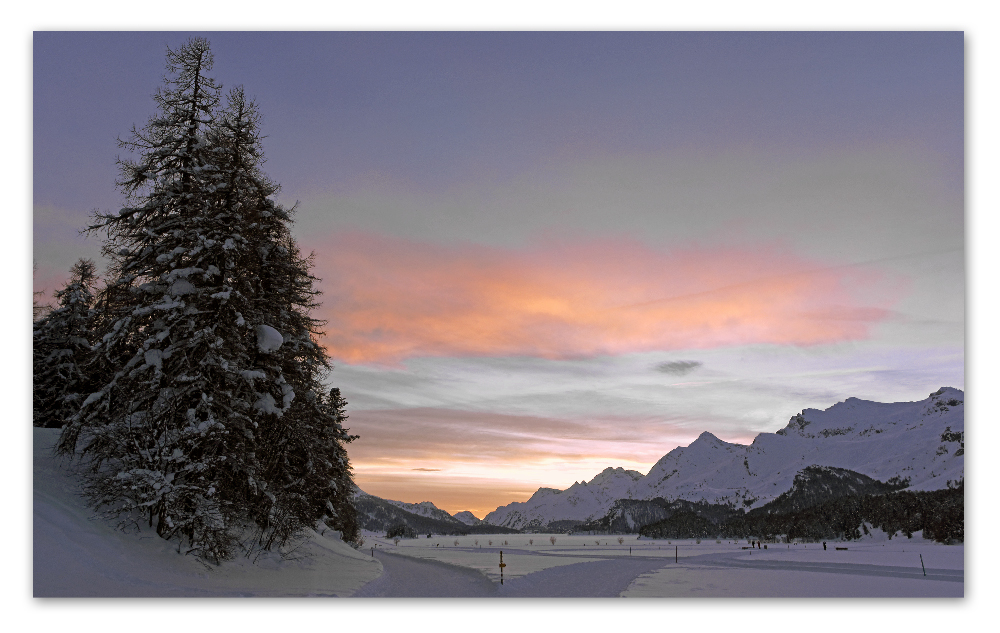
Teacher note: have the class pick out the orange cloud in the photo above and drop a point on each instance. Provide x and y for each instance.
(480, 495)
(387, 299)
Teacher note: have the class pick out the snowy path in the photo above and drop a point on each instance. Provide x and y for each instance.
(598, 579)
(406, 577)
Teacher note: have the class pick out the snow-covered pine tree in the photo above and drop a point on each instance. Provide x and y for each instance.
(207, 347)
(340, 512)
(304, 465)
(61, 348)
(169, 435)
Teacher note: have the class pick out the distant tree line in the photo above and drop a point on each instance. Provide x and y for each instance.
(401, 530)
(939, 513)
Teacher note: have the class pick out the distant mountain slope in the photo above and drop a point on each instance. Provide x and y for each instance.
(824, 503)
(424, 509)
(581, 501)
(467, 518)
(812, 486)
(627, 516)
(378, 515)
(815, 485)
(922, 443)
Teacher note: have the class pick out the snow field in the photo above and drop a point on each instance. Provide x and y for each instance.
(689, 581)
(906, 553)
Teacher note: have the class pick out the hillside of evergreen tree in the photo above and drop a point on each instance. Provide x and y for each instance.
(815, 511)
(939, 513)
(815, 485)
(626, 516)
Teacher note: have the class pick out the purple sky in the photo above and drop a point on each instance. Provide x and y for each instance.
(435, 110)
(669, 154)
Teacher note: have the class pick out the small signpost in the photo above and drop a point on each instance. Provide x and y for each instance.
(502, 565)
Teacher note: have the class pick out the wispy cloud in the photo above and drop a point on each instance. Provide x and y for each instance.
(388, 299)
(678, 367)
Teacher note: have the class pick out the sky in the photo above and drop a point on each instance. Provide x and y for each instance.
(543, 254)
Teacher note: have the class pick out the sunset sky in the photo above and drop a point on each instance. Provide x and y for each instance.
(543, 254)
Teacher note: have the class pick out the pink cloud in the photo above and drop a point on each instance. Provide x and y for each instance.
(387, 299)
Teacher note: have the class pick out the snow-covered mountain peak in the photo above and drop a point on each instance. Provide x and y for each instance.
(950, 393)
(610, 474)
(467, 517)
(945, 398)
(708, 440)
(541, 493)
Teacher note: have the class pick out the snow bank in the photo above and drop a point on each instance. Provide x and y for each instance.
(78, 556)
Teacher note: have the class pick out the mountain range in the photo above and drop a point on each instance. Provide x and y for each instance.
(917, 445)
(380, 515)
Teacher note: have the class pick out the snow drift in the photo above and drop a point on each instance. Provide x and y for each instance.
(76, 555)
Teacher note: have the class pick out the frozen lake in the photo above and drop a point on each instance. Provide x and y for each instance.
(598, 566)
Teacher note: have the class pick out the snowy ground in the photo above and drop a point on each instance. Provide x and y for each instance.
(77, 556)
(890, 569)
